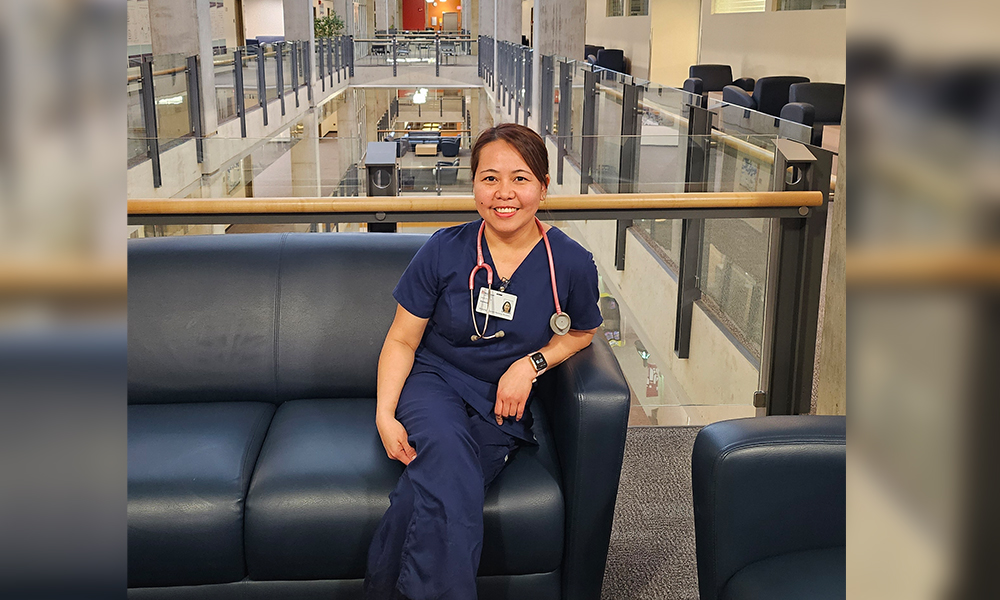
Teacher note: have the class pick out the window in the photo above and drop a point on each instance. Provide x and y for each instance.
(628, 8)
(738, 6)
(811, 4)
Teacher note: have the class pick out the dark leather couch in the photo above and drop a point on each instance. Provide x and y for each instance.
(254, 466)
(770, 508)
(769, 94)
(815, 105)
(713, 78)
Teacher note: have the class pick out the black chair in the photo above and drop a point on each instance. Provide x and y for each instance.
(770, 508)
(611, 59)
(449, 145)
(591, 50)
(713, 78)
(769, 94)
(815, 105)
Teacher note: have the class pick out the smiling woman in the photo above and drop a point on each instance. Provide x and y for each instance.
(454, 398)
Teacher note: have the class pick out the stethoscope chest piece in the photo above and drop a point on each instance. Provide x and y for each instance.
(559, 322)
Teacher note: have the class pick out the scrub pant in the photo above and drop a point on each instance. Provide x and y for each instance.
(428, 544)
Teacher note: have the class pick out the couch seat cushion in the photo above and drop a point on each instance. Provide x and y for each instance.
(814, 574)
(323, 481)
(189, 468)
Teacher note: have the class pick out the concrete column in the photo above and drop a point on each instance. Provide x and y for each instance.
(299, 27)
(386, 15)
(560, 28)
(830, 373)
(185, 27)
(500, 19)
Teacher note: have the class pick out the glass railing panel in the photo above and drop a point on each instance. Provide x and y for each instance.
(136, 130)
(173, 119)
(286, 68)
(575, 134)
(460, 51)
(608, 107)
(759, 128)
(372, 53)
(225, 87)
(271, 71)
(557, 67)
(445, 177)
(734, 275)
(251, 91)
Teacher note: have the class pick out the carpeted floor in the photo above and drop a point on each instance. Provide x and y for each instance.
(652, 553)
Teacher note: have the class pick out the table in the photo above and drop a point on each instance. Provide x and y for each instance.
(428, 149)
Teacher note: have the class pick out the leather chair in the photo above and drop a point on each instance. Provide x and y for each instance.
(769, 94)
(254, 465)
(713, 78)
(449, 145)
(611, 59)
(815, 105)
(770, 508)
(591, 50)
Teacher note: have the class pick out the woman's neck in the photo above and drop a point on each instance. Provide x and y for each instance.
(522, 240)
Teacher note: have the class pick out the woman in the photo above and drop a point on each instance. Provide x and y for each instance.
(453, 385)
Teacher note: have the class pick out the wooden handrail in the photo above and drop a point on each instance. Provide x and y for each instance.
(923, 267)
(402, 204)
(159, 73)
(61, 278)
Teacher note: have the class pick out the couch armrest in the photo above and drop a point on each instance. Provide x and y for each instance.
(745, 83)
(586, 400)
(764, 487)
(800, 112)
(737, 96)
(694, 85)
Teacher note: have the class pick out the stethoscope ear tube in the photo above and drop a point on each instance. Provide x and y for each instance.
(559, 322)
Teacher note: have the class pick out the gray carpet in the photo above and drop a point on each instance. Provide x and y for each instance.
(652, 553)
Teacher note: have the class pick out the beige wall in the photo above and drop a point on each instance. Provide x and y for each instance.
(797, 42)
(630, 34)
(264, 17)
(674, 39)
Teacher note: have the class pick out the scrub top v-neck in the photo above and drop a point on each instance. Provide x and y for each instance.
(435, 286)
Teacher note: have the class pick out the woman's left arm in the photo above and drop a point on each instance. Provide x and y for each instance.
(515, 385)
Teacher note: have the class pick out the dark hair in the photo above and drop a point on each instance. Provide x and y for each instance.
(527, 143)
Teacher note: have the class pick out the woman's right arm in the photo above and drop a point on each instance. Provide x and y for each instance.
(394, 364)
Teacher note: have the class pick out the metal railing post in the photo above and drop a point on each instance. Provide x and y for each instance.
(279, 53)
(628, 160)
(194, 106)
(149, 118)
(321, 61)
(329, 60)
(565, 114)
(350, 49)
(261, 82)
(241, 108)
(338, 56)
(545, 96)
(518, 58)
(295, 72)
(699, 143)
(688, 289)
(794, 277)
(307, 69)
(588, 142)
(437, 54)
(394, 57)
(528, 58)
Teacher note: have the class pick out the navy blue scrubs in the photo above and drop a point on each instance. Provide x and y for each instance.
(429, 541)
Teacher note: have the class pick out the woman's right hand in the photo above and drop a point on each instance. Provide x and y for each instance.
(394, 438)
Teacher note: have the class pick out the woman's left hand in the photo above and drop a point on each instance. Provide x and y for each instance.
(514, 389)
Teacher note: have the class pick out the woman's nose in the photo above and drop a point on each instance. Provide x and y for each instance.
(505, 190)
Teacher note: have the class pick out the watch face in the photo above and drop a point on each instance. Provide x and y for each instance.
(539, 361)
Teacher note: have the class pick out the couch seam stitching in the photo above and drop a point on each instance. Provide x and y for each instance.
(277, 314)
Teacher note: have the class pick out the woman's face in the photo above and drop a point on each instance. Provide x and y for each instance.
(507, 192)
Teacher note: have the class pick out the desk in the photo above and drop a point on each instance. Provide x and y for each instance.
(429, 149)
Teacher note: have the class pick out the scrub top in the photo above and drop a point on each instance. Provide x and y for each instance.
(435, 286)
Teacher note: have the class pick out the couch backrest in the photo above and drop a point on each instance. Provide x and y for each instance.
(260, 317)
(713, 77)
(771, 93)
(827, 99)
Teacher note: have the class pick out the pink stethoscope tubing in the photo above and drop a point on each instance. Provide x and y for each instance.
(481, 264)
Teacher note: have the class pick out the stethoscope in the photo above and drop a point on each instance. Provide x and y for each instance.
(559, 322)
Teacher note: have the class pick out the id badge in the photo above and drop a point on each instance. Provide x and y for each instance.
(502, 306)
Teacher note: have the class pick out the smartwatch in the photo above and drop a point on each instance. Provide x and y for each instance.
(538, 361)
